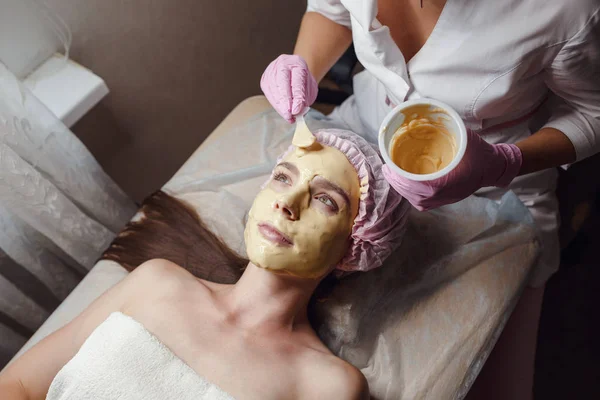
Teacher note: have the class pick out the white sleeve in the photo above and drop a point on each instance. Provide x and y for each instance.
(574, 76)
(331, 9)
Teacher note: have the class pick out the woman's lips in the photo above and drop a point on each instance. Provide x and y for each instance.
(272, 234)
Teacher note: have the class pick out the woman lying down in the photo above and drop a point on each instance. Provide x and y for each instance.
(162, 333)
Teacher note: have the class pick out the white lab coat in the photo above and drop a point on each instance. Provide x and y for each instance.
(493, 62)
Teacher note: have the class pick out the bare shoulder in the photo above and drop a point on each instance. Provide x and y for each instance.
(338, 379)
(156, 268)
(160, 274)
(163, 284)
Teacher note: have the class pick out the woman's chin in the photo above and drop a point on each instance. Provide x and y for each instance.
(285, 271)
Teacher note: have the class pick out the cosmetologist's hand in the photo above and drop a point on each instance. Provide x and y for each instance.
(289, 86)
(482, 165)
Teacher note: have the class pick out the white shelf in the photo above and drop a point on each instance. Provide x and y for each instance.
(66, 88)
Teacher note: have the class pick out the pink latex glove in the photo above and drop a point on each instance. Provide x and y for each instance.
(482, 165)
(289, 86)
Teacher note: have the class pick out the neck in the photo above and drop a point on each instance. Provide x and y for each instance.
(264, 300)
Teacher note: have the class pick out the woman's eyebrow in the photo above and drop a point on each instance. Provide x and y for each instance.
(327, 185)
(289, 166)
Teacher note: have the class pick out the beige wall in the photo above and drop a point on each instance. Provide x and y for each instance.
(175, 69)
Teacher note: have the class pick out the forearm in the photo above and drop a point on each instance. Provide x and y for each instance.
(547, 148)
(321, 42)
(12, 390)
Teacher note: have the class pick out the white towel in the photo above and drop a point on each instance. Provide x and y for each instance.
(122, 360)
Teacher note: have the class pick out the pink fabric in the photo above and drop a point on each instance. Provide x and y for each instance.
(483, 164)
(382, 213)
(289, 86)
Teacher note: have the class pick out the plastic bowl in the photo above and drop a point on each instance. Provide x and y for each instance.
(451, 120)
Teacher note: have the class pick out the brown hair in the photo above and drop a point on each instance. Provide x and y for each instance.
(172, 230)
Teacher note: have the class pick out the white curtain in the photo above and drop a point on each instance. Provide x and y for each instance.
(58, 212)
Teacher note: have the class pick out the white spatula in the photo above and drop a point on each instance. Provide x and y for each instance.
(303, 137)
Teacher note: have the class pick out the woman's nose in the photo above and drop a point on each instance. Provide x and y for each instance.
(289, 211)
(293, 201)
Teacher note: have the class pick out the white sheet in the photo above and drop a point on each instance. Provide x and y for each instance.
(421, 326)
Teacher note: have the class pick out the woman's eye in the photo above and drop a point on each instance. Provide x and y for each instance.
(328, 201)
(281, 177)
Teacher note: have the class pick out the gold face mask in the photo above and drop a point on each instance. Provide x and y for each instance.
(300, 223)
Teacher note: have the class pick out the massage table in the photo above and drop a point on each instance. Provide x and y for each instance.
(421, 326)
